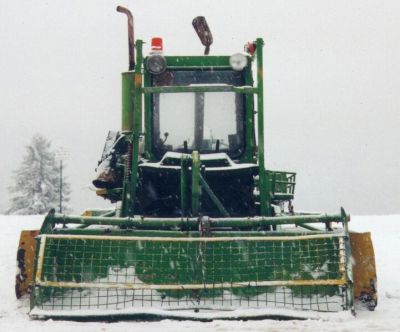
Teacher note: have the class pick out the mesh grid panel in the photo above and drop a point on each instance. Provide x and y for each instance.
(89, 272)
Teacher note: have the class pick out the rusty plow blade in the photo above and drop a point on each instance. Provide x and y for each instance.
(364, 270)
(25, 262)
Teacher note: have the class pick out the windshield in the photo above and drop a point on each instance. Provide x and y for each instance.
(203, 121)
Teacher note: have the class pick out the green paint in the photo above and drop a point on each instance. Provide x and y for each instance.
(195, 183)
(128, 87)
(198, 62)
(265, 208)
(211, 88)
(147, 120)
(249, 156)
(191, 223)
(131, 175)
(184, 179)
(137, 128)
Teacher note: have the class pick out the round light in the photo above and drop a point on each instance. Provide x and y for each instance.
(156, 64)
(238, 61)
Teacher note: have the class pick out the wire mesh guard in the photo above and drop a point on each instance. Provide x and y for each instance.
(112, 273)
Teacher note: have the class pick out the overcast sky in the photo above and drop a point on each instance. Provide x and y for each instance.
(332, 78)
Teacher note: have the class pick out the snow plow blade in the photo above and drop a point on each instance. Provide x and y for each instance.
(166, 267)
(25, 262)
(364, 270)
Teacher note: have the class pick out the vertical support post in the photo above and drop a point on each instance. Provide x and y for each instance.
(198, 120)
(265, 205)
(348, 261)
(137, 124)
(61, 167)
(183, 185)
(135, 107)
(195, 183)
(249, 155)
(127, 104)
(148, 119)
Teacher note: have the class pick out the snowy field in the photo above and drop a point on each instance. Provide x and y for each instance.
(386, 237)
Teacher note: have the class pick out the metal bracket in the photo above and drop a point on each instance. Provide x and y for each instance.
(204, 225)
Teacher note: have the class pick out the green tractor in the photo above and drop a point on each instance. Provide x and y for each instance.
(200, 228)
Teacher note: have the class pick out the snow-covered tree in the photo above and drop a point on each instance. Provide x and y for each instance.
(36, 187)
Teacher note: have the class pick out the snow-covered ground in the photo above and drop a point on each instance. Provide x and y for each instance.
(386, 237)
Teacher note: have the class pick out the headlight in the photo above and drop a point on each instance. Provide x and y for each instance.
(238, 61)
(156, 64)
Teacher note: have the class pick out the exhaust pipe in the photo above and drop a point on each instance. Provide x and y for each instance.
(131, 38)
(203, 31)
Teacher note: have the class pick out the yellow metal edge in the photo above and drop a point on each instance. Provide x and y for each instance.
(40, 259)
(364, 269)
(25, 262)
(194, 239)
(327, 282)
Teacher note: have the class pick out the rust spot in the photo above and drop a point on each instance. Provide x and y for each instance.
(138, 80)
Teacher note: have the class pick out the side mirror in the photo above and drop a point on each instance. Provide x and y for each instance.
(203, 31)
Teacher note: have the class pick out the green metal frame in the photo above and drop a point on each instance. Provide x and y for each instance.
(134, 106)
(265, 197)
(192, 223)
